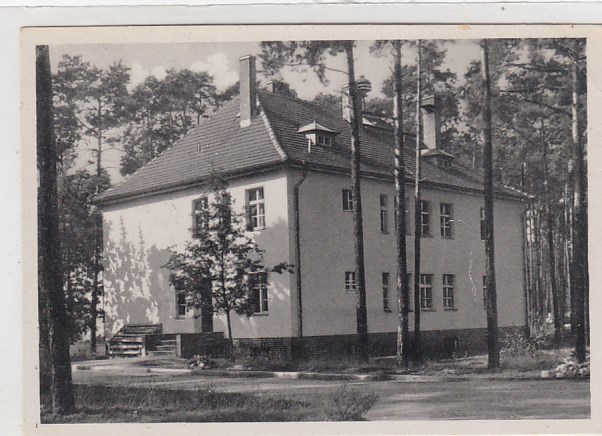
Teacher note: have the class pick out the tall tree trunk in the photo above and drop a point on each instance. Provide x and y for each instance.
(580, 223)
(417, 215)
(492, 325)
(97, 241)
(51, 273)
(358, 227)
(403, 295)
(556, 305)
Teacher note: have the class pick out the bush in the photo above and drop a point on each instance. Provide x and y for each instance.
(349, 405)
(516, 342)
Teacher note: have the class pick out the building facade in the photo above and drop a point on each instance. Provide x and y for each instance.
(287, 161)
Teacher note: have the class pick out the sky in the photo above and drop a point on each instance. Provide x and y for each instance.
(221, 60)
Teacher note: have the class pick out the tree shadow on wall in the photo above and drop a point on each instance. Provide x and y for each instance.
(134, 280)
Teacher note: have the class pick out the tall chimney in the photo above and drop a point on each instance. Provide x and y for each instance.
(248, 90)
(430, 122)
(363, 87)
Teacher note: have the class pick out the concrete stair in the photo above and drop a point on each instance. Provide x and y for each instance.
(130, 341)
(164, 347)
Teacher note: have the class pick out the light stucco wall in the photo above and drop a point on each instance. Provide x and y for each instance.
(138, 236)
(327, 252)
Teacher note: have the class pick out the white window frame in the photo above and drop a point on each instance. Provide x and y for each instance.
(386, 282)
(449, 282)
(446, 218)
(347, 200)
(425, 218)
(256, 208)
(259, 290)
(483, 230)
(179, 305)
(200, 216)
(350, 282)
(384, 213)
(426, 292)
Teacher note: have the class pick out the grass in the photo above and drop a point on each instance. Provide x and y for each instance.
(96, 404)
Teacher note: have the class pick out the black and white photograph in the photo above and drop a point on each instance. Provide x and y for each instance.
(254, 228)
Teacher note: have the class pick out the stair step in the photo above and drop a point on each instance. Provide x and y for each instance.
(167, 342)
(162, 353)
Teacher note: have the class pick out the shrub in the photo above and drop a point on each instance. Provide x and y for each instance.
(349, 405)
(516, 342)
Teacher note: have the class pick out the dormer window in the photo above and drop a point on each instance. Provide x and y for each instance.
(438, 157)
(318, 136)
(443, 162)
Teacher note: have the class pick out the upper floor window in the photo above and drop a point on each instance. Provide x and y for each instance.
(386, 279)
(448, 291)
(384, 213)
(446, 220)
(425, 218)
(259, 292)
(350, 285)
(483, 228)
(407, 214)
(200, 216)
(255, 209)
(347, 200)
(426, 291)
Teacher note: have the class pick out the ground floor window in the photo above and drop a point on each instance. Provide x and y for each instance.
(259, 292)
(448, 291)
(426, 291)
(181, 304)
(386, 278)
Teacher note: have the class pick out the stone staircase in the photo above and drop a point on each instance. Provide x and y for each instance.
(131, 340)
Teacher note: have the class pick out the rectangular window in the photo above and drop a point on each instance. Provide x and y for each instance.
(259, 292)
(386, 279)
(425, 219)
(446, 220)
(255, 209)
(200, 216)
(482, 224)
(181, 304)
(485, 292)
(426, 291)
(350, 281)
(407, 214)
(448, 291)
(384, 213)
(347, 200)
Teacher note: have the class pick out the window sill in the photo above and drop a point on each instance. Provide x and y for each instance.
(426, 236)
(181, 318)
(427, 310)
(447, 237)
(450, 309)
(256, 229)
(387, 311)
(385, 233)
(348, 210)
(260, 314)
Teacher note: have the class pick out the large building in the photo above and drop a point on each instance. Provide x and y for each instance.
(287, 162)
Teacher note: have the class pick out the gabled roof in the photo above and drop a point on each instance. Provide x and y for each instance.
(220, 145)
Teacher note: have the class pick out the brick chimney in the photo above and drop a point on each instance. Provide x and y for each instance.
(248, 90)
(431, 124)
